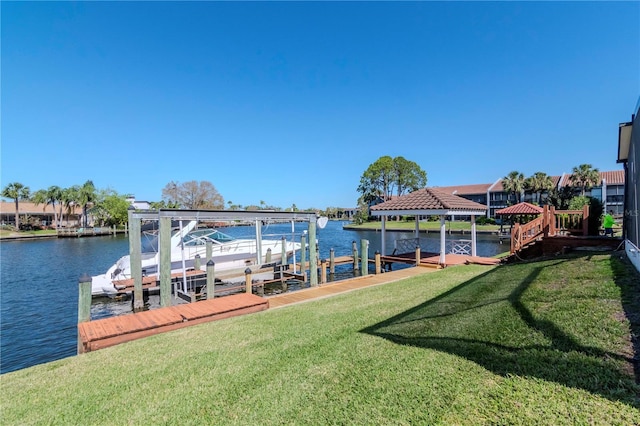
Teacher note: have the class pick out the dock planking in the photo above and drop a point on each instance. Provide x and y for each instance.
(102, 333)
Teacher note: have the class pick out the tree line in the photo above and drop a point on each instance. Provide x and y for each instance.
(108, 208)
(584, 177)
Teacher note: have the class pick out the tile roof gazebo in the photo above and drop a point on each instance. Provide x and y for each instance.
(431, 202)
(520, 209)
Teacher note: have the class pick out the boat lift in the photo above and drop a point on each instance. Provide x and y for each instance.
(165, 216)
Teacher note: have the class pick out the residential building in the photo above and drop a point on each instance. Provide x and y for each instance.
(493, 195)
(629, 156)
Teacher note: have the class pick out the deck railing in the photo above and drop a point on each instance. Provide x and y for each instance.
(551, 222)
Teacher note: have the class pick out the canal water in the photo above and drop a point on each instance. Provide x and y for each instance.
(39, 283)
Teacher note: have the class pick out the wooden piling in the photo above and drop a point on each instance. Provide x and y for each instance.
(268, 256)
(247, 279)
(209, 249)
(417, 255)
(377, 262)
(303, 257)
(283, 260)
(332, 261)
(323, 271)
(196, 262)
(354, 250)
(364, 248)
(165, 261)
(313, 255)
(211, 279)
(84, 303)
(135, 257)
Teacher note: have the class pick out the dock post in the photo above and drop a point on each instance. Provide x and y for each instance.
(268, 256)
(135, 257)
(354, 250)
(332, 261)
(303, 257)
(247, 279)
(313, 255)
(196, 262)
(164, 243)
(323, 271)
(417, 255)
(364, 248)
(209, 250)
(377, 259)
(84, 303)
(211, 279)
(114, 231)
(283, 260)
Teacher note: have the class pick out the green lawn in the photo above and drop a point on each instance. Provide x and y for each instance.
(544, 342)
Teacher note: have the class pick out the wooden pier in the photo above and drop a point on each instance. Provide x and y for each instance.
(102, 333)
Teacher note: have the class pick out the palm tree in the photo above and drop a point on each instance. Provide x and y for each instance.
(513, 183)
(539, 183)
(68, 200)
(51, 196)
(16, 191)
(585, 176)
(86, 195)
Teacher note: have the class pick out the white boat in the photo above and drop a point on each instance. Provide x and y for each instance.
(228, 253)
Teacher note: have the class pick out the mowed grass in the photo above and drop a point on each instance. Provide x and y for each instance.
(544, 342)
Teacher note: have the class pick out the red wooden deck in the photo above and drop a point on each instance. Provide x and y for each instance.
(433, 259)
(107, 332)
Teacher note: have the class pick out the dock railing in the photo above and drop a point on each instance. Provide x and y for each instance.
(550, 223)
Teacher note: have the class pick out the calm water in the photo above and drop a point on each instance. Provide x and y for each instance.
(39, 283)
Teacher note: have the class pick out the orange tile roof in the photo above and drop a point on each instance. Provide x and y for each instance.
(615, 177)
(520, 208)
(26, 207)
(429, 199)
(480, 188)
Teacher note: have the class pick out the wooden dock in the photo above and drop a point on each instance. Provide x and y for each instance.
(433, 259)
(343, 286)
(102, 333)
(98, 334)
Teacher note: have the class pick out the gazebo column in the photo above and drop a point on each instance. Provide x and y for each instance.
(443, 242)
(383, 232)
(473, 235)
(417, 226)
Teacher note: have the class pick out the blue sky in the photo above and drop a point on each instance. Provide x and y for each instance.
(290, 102)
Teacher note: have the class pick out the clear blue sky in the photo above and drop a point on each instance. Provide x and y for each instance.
(290, 102)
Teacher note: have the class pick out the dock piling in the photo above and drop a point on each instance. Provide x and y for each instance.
(332, 261)
(211, 279)
(364, 248)
(377, 262)
(354, 249)
(247, 279)
(323, 271)
(84, 303)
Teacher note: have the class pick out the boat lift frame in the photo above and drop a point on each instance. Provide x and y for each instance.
(165, 216)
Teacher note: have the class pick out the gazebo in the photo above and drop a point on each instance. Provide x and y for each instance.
(430, 202)
(520, 209)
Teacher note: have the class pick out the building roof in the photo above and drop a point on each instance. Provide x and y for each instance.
(480, 188)
(26, 207)
(433, 200)
(612, 178)
(520, 208)
(615, 177)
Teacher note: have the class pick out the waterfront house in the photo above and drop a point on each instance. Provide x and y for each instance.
(629, 156)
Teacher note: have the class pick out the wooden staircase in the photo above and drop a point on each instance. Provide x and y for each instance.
(550, 223)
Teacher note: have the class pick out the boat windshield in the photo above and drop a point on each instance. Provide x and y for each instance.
(201, 236)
